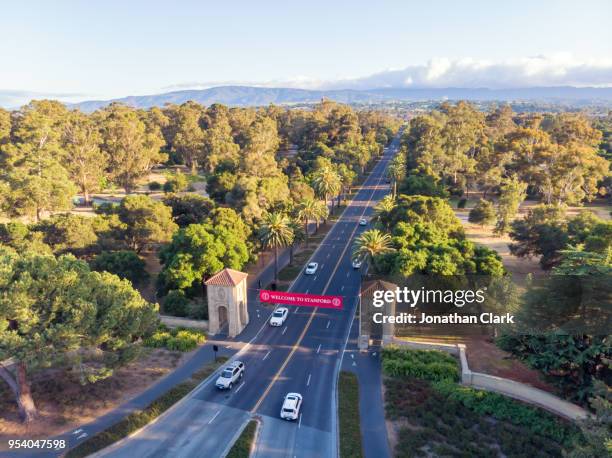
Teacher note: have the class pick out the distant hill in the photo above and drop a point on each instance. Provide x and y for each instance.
(257, 96)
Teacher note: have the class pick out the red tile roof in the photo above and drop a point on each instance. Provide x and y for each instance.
(368, 288)
(226, 277)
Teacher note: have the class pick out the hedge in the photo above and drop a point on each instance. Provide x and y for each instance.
(503, 408)
(179, 339)
(432, 365)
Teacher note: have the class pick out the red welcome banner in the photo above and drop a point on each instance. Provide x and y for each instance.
(299, 299)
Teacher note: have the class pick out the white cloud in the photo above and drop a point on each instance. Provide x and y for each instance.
(536, 71)
(558, 70)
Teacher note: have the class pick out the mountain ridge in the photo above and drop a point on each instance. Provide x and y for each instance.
(258, 96)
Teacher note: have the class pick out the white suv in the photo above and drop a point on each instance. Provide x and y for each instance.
(291, 406)
(230, 375)
(311, 268)
(279, 316)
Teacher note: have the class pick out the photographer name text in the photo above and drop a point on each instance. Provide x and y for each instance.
(453, 318)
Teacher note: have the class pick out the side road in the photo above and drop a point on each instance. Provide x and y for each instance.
(367, 366)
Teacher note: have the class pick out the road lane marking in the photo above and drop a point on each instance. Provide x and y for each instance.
(348, 274)
(82, 436)
(328, 323)
(342, 289)
(307, 291)
(308, 381)
(319, 349)
(327, 257)
(239, 388)
(267, 354)
(315, 278)
(284, 330)
(215, 416)
(313, 312)
(80, 430)
(300, 422)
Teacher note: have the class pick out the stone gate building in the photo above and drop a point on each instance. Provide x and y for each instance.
(226, 293)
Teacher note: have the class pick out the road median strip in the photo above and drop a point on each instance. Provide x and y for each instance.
(244, 444)
(348, 411)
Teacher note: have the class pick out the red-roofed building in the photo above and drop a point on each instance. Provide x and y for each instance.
(226, 293)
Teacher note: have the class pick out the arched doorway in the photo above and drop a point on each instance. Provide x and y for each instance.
(242, 310)
(222, 310)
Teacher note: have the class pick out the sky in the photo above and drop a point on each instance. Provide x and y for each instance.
(79, 50)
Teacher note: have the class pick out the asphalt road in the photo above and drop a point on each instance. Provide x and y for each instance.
(302, 356)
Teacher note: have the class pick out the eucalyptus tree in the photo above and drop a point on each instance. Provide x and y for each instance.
(85, 160)
(32, 162)
(132, 142)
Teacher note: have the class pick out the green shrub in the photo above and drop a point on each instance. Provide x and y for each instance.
(462, 203)
(483, 213)
(176, 303)
(177, 182)
(158, 340)
(155, 186)
(197, 310)
(502, 407)
(195, 334)
(183, 344)
(179, 339)
(125, 264)
(430, 365)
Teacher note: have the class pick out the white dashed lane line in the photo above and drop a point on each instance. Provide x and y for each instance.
(267, 354)
(215, 416)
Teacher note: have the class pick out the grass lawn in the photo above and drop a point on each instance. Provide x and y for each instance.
(348, 413)
(242, 446)
(141, 418)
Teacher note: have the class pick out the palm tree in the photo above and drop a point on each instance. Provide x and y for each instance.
(298, 236)
(327, 184)
(322, 212)
(384, 207)
(396, 171)
(308, 210)
(371, 244)
(275, 231)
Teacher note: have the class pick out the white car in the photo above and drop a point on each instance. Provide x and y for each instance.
(311, 268)
(291, 406)
(279, 316)
(357, 263)
(363, 222)
(230, 375)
